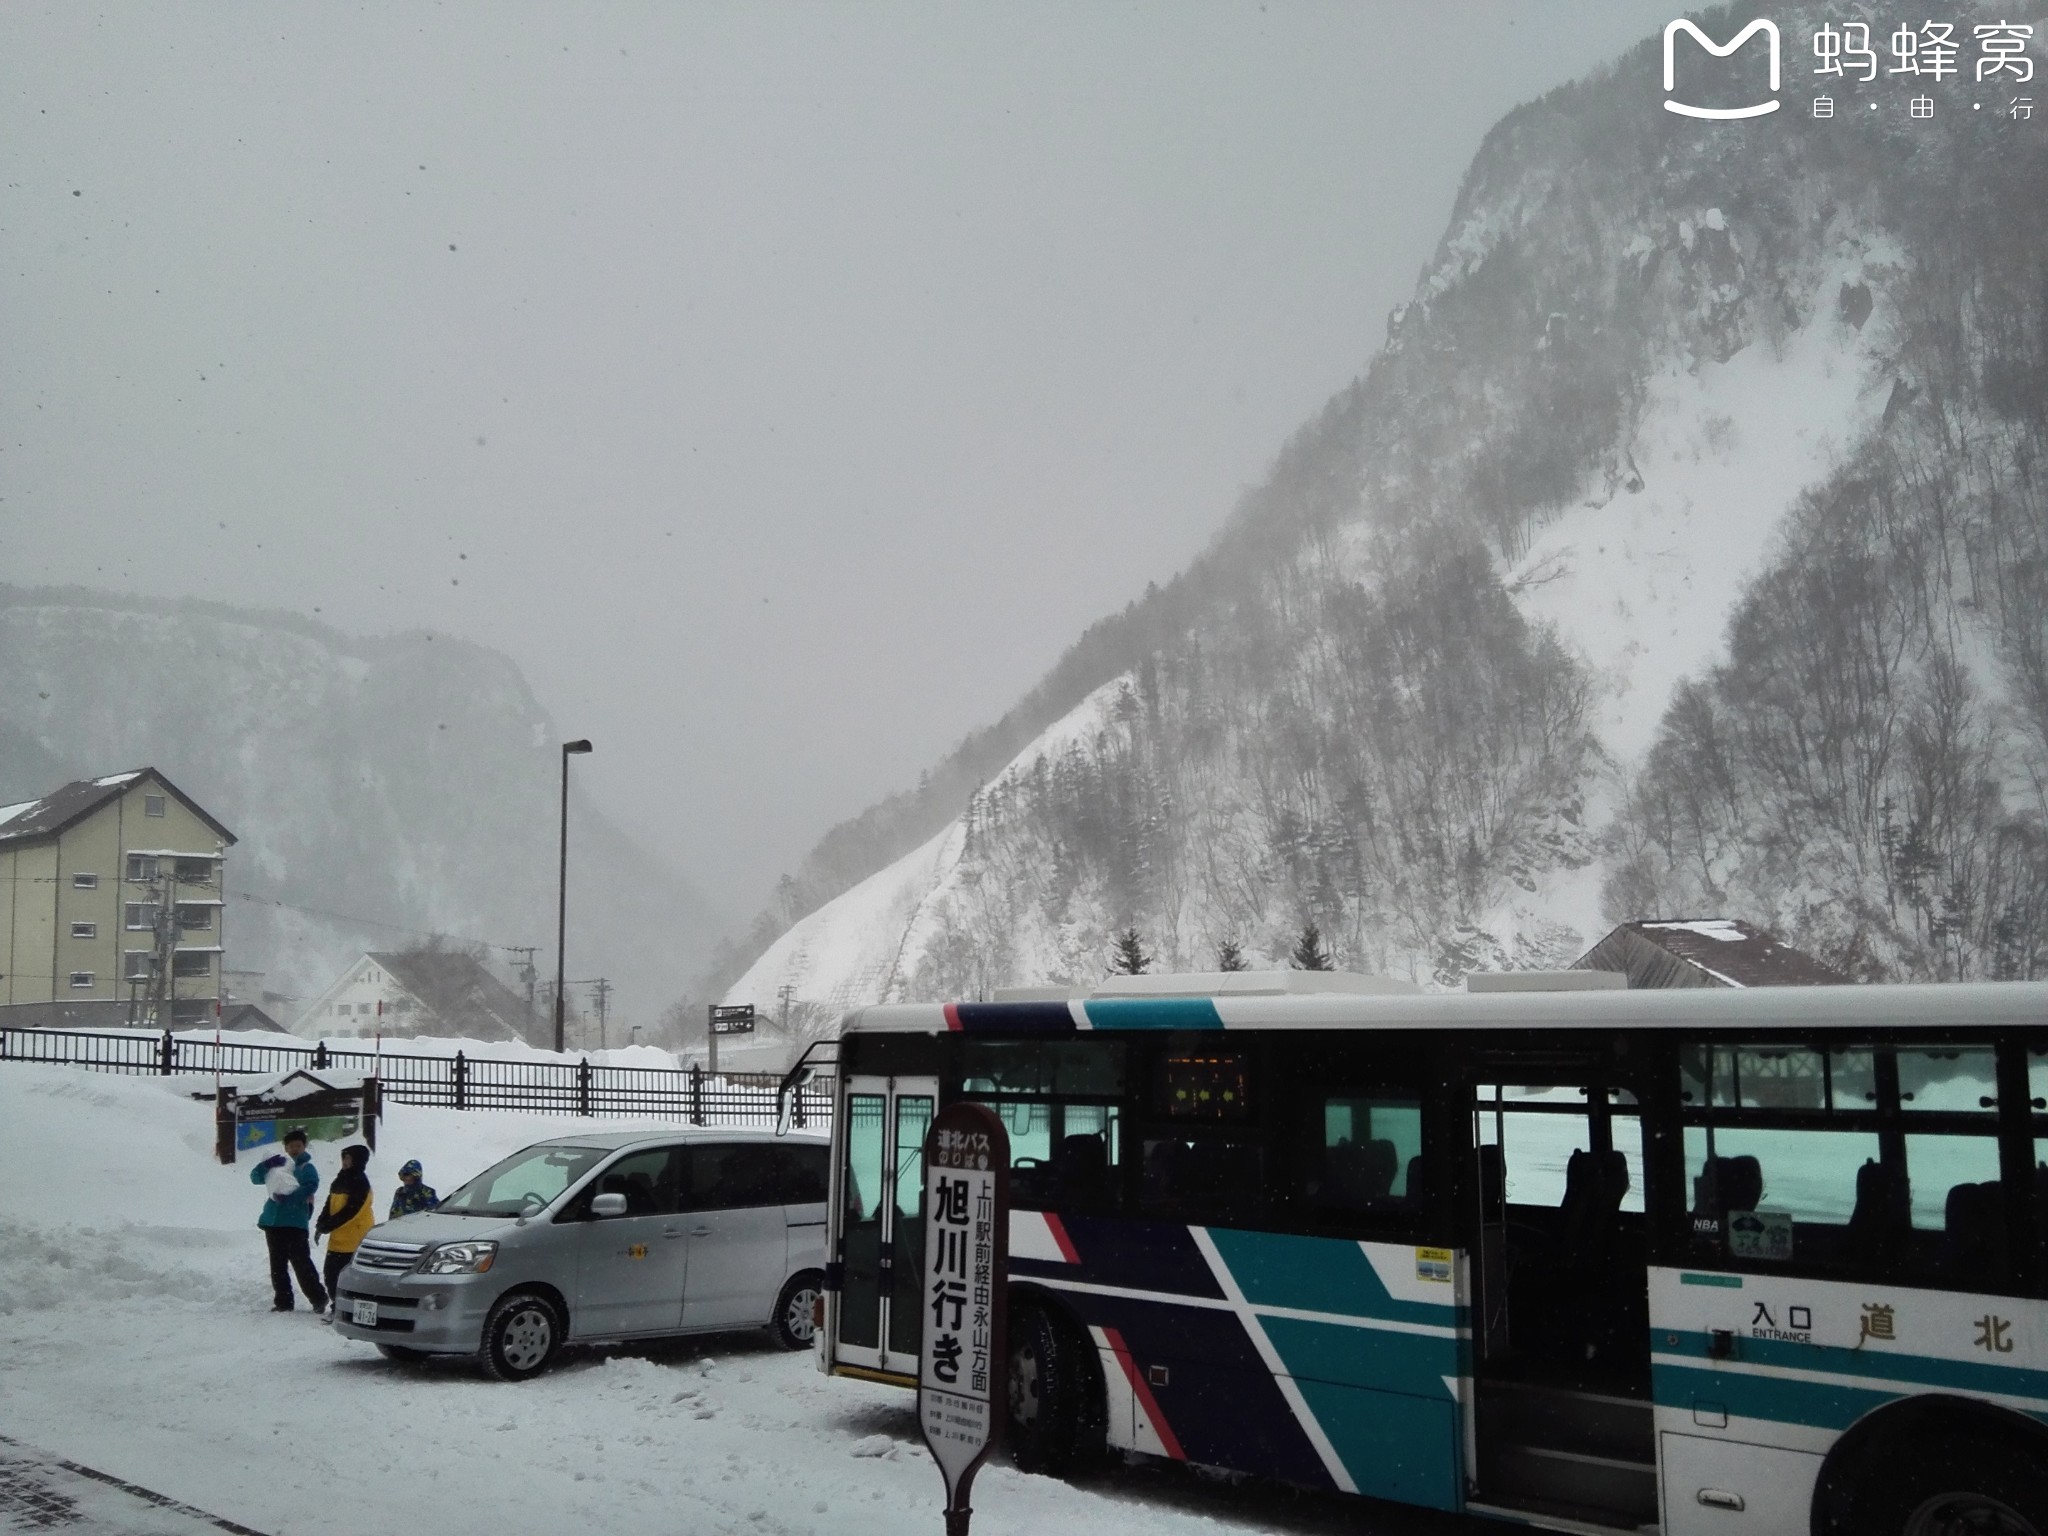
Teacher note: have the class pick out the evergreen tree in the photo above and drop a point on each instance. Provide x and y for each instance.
(1230, 957)
(1310, 953)
(1129, 957)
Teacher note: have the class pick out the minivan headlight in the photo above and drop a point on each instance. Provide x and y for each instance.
(469, 1258)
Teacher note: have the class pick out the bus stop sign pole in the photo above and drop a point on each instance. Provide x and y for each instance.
(962, 1393)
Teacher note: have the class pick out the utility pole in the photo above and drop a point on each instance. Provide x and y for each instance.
(163, 986)
(525, 972)
(784, 993)
(603, 989)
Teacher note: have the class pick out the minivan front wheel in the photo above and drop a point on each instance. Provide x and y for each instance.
(795, 1323)
(521, 1336)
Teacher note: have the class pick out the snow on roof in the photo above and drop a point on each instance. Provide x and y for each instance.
(118, 778)
(9, 812)
(1709, 928)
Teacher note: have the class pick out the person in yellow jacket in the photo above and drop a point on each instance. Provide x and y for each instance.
(350, 1213)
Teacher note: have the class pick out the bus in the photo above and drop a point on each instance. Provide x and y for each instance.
(1706, 1261)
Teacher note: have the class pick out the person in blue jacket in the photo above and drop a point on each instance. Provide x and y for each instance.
(286, 1216)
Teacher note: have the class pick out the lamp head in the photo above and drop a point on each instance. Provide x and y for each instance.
(572, 747)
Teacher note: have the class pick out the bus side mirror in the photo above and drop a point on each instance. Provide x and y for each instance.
(786, 1094)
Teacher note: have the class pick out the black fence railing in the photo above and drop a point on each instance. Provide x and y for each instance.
(459, 1081)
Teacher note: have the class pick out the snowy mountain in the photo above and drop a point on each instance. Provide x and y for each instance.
(1683, 550)
(409, 781)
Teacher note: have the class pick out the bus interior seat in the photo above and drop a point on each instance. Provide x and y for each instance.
(1883, 1211)
(1595, 1183)
(1081, 1165)
(1727, 1184)
(1973, 1231)
(1418, 1178)
(1361, 1172)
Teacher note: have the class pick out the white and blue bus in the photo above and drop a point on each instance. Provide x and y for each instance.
(1706, 1261)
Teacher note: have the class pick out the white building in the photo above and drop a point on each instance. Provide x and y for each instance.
(443, 993)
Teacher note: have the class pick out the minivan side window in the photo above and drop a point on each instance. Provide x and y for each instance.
(803, 1173)
(739, 1174)
(647, 1180)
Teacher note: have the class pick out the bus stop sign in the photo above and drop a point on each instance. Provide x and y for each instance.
(961, 1390)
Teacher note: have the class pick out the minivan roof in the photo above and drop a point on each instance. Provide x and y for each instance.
(612, 1141)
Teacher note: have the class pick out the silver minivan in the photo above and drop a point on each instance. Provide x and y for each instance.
(620, 1235)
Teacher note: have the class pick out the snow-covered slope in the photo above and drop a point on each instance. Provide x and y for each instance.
(1679, 552)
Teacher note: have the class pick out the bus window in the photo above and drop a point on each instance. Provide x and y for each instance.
(1050, 1068)
(1064, 1152)
(1371, 1151)
(1186, 1174)
(1962, 1080)
(1803, 1176)
(1540, 1127)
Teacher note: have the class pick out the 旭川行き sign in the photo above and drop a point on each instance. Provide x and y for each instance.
(961, 1395)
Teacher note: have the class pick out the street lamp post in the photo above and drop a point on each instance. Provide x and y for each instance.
(569, 748)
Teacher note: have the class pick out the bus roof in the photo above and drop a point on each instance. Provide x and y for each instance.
(1937, 1005)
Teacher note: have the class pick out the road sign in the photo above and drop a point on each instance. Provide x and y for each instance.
(961, 1396)
(732, 1018)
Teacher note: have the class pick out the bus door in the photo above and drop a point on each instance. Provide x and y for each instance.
(1554, 1222)
(880, 1223)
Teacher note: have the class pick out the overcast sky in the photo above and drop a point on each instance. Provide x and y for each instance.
(784, 387)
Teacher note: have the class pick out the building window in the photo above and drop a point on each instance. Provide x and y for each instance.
(152, 805)
(195, 871)
(141, 866)
(138, 965)
(139, 916)
(85, 930)
(81, 978)
(85, 882)
(195, 919)
(184, 964)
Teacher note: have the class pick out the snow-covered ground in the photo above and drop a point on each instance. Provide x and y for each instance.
(136, 1338)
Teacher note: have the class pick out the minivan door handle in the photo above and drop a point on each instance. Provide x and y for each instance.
(671, 1232)
(700, 1231)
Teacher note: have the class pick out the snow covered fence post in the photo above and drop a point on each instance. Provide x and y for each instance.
(961, 1394)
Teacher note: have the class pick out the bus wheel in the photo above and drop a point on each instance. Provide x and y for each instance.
(1955, 1487)
(1047, 1388)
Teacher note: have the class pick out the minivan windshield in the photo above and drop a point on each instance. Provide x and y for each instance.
(525, 1181)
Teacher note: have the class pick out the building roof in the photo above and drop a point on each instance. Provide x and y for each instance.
(33, 820)
(458, 991)
(247, 1016)
(1706, 952)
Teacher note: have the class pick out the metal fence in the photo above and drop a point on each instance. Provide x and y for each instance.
(446, 1082)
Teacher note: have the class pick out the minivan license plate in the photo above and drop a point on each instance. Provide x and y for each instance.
(366, 1314)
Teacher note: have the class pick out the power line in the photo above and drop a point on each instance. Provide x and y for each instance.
(371, 922)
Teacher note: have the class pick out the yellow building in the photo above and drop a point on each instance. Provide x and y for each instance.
(111, 905)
